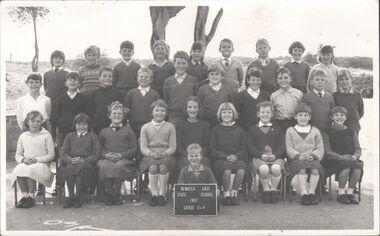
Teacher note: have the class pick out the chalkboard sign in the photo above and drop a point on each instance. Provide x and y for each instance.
(195, 199)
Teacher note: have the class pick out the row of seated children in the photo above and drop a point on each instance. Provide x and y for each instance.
(111, 156)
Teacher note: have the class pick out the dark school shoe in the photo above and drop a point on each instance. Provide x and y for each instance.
(54, 193)
(161, 201)
(234, 201)
(153, 201)
(117, 200)
(305, 200)
(342, 198)
(266, 197)
(29, 202)
(226, 201)
(313, 199)
(108, 199)
(21, 202)
(69, 202)
(352, 199)
(77, 202)
(274, 197)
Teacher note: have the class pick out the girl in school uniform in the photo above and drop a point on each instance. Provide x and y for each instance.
(158, 145)
(304, 148)
(197, 67)
(35, 150)
(266, 146)
(80, 152)
(227, 149)
(192, 130)
(118, 149)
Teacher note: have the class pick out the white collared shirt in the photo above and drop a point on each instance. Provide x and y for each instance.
(143, 91)
(72, 95)
(302, 129)
(81, 134)
(264, 62)
(226, 60)
(195, 63)
(230, 124)
(180, 78)
(157, 125)
(216, 87)
(160, 65)
(322, 92)
(127, 62)
(261, 124)
(351, 91)
(294, 61)
(254, 93)
(27, 103)
(56, 69)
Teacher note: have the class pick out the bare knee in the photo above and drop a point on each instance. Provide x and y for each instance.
(314, 171)
(163, 170)
(240, 172)
(275, 170)
(302, 172)
(227, 172)
(153, 169)
(264, 171)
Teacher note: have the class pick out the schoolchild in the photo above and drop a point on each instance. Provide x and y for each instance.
(190, 130)
(232, 68)
(285, 100)
(102, 98)
(299, 68)
(213, 94)
(139, 100)
(343, 156)
(80, 153)
(158, 145)
(247, 100)
(304, 148)
(126, 71)
(326, 59)
(89, 74)
(228, 152)
(162, 68)
(320, 101)
(35, 150)
(197, 67)
(118, 146)
(349, 99)
(268, 66)
(179, 87)
(266, 148)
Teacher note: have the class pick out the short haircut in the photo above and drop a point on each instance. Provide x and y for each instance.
(214, 68)
(159, 103)
(92, 49)
(73, 75)
(82, 118)
(31, 115)
(344, 72)
(226, 106)
(265, 104)
(105, 68)
(303, 107)
(161, 42)
(326, 49)
(200, 107)
(116, 105)
(226, 40)
(284, 70)
(146, 70)
(317, 72)
(127, 44)
(57, 53)
(253, 71)
(197, 45)
(182, 55)
(34, 76)
(262, 41)
(337, 109)
(296, 44)
(194, 147)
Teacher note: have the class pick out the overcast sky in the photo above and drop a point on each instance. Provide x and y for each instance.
(350, 25)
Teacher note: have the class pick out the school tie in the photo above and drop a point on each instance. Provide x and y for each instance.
(320, 94)
(81, 135)
(56, 69)
(226, 62)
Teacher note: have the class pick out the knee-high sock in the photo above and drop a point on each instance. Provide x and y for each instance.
(163, 179)
(274, 182)
(302, 183)
(117, 183)
(313, 183)
(265, 183)
(153, 183)
(70, 185)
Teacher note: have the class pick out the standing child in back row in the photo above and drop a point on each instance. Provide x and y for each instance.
(89, 74)
(299, 68)
(232, 68)
(125, 77)
(268, 66)
(197, 67)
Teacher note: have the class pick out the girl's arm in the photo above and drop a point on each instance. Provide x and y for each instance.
(357, 148)
(181, 152)
(144, 141)
(20, 150)
(95, 152)
(132, 149)
(241, 154)
(49, 144)
(291, 152)
(215, 153)
(102, 141)
(330, 154)
(319, 151)
(65, 150)
(172, 141)
(253, 151)
(280, 150)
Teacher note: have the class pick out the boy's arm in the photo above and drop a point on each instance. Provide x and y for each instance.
(181, 152)
(165, 90)
(45, 82)
(95, 153)
(330, 154)
(291, 152)
(241, 154)
(319, 151)
(116, 74)
(102, 143)
(65, 150)
(132, 149)
(144, 145)
(215, 153)
(49, 144)
(280, 150)
(172, 141)
(253, 152)
(357, 148)
(240, 73)
(48, 108)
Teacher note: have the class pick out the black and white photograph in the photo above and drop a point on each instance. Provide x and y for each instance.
(129, 117)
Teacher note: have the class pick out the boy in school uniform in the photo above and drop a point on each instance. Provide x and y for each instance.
(231, 67)
(299, 68)
(179, 87)
(319, 100)
(349, 99)
(54, 82)
(89, 74)
(126, 71)
(285, 100)
(267, 65)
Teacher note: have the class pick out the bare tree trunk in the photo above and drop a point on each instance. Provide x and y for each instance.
(36, 50)
(200, 25)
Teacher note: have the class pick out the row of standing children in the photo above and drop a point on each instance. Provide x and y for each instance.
(99, 99)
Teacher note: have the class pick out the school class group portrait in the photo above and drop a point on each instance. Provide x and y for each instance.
(181, 120)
